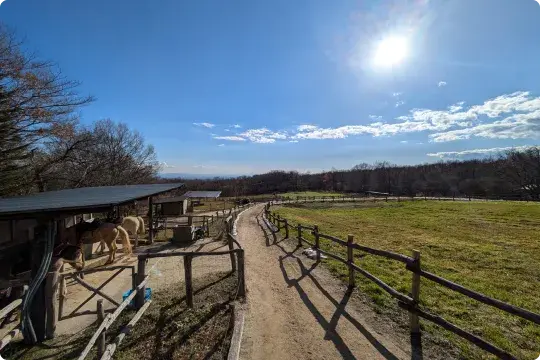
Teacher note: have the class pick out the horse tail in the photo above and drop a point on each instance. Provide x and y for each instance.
(141, 224)
(125, 240)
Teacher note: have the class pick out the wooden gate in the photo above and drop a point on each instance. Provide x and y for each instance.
(77, 277)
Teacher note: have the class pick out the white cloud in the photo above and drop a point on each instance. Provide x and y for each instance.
(518, 126)
(397, 94)
(456, 107)
(509, 116)
(404, 142)
(230, 138)
(165, 165)
(442, 83)
(236, 126)
(306, 128)
(227, 130)
(205, 166)
(263, 136)
(1, 1)
(454, 154)
(205, 124)
(221, 145)
(399, 103)
(293, 141)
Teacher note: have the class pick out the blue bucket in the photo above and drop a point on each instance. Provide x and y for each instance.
(147, 296)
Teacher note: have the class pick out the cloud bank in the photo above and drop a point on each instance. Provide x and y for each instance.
(508, 116)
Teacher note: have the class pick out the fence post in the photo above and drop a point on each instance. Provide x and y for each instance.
(141, 274)
(188, 278)
(231, 247)
(101, 339)
(299, 229)
(415, 292)
(317, 245)
(151, 221)
(350, 259)
(61, 295)
(241, 273)
(286, 229)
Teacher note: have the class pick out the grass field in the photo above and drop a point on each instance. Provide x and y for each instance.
(492, 248)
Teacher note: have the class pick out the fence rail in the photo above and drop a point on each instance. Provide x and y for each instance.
(406, 302)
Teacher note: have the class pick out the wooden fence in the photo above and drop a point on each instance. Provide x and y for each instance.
(14, 329)
(406, 302)
(235, 251)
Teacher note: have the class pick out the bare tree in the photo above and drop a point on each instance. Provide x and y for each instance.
(36, 102)
(522, 169)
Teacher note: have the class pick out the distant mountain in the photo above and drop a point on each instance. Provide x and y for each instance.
(196, 176)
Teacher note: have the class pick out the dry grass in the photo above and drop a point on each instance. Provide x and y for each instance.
(490, 247)
(167, 330)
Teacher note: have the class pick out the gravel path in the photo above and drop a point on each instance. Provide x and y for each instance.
(296, 310)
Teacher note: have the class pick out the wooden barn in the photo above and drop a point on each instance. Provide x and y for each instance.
(30, 228)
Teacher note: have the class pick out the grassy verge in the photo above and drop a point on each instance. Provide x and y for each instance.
(167, 330)
(491, 247)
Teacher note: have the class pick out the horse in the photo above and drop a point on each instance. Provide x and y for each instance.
(133, 224)
(83, 233)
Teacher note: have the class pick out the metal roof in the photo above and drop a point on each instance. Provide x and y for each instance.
(170, 200)
(202, 194)
(71, 200)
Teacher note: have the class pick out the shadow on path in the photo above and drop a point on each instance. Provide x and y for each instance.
(328, 325)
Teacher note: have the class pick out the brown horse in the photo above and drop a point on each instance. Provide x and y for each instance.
(106, 232)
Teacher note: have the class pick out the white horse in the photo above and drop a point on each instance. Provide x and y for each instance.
(134, 224)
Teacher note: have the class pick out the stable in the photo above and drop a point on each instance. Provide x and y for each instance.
(36, 221)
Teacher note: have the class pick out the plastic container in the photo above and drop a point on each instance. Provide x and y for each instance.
(147, 296)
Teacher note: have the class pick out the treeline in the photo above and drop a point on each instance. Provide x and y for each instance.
(43, 146)
(513, 175)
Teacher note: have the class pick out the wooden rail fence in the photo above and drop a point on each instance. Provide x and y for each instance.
(8, 311)
(410, 302)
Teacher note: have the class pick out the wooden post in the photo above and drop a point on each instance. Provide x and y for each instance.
(241, 273)
(188, 277)
(286, 229)
(317, 245)
(231, 247)
(299, 229)
(350, 259)
(101, 342)
(51, 303)
(151, 217)
(415, 293)
(61, 295)
(141, 274)
(165, 228)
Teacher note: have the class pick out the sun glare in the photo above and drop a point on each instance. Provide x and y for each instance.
(391, 51)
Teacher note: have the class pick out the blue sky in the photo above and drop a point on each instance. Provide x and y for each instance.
(238, 87)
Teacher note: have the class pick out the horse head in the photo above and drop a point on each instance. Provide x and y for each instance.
(72, 255)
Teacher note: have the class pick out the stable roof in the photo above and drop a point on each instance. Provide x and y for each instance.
(170, 200)
(202, 194)
(90, 199)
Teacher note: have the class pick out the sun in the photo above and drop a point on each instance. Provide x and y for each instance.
(391, 51)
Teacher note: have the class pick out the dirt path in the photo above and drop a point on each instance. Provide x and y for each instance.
(296, 310)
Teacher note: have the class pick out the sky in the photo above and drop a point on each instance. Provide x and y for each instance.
(243, 87)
